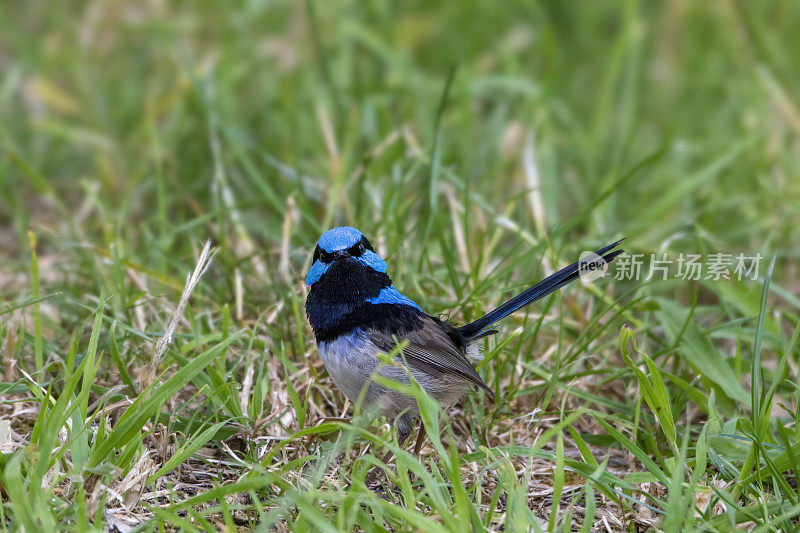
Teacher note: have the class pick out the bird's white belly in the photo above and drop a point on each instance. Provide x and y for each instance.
(352, 362)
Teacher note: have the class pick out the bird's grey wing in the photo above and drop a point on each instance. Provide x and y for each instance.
(432, 351)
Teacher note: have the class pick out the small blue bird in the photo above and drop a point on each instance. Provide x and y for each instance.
(356, 312)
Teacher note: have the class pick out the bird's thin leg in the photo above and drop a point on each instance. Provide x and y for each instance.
(420, 438)
(403, 432)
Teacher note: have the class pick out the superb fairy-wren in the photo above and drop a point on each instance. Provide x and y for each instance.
(356, 312)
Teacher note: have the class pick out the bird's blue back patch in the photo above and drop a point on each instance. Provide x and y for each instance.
(341, 238)
(390, 295)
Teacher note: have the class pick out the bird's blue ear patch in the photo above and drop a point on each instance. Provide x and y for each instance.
(373, 260)
(340, 238)
(315, 272)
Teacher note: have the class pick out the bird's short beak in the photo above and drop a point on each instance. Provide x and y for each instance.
(341, 254)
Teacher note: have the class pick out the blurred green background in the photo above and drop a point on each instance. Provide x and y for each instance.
(113, 106)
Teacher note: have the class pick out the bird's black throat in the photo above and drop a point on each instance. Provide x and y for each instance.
(338, 302)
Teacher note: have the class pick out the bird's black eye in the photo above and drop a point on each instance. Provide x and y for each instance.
(366, 244)
(325, 257)
(316, 255)
(357, 249)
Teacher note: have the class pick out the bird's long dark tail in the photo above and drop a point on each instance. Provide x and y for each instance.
(549, 285)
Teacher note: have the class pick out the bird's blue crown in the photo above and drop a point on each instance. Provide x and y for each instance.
(340, 238)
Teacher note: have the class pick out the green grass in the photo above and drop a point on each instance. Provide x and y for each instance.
(479, 145)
